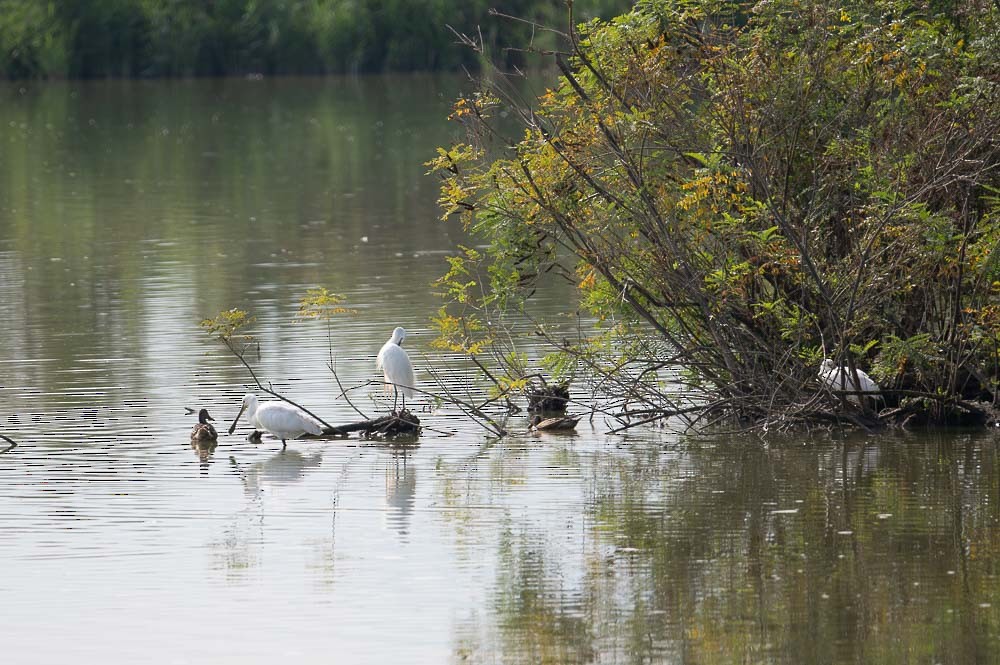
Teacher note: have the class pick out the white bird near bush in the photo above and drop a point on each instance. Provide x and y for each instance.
(279, 418)
(840, 378)
(396, 367)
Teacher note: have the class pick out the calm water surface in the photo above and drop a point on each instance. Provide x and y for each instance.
(130, 211)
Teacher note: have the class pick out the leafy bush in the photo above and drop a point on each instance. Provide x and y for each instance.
(744, 190)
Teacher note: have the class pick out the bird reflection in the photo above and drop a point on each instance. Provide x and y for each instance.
(203, 451)
(283, 468)
(400, 492)
(860, 460)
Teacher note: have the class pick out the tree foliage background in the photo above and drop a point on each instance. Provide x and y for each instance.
(742, 189)
(144, 38)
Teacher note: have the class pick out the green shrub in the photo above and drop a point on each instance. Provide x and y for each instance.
(743, 190)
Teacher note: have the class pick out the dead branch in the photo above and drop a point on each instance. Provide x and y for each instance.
(394, 424)
(343, 393)
(667, 413)
(260, 386)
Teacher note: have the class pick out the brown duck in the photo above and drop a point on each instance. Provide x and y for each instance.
(561, 423)
(204, 431)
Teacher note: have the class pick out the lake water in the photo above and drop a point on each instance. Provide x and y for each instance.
(131, 211)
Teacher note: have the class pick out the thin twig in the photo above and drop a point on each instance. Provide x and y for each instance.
(343, 393)
(667, 414)
(269, 391)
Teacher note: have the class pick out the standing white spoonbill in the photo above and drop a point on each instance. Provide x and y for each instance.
(396, 366)
(840, 378)
(279, 418)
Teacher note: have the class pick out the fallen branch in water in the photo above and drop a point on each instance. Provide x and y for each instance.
(474, 412)
(394, 424)
(11, 444)
(225, 327)
(668, 413)
(467, 407)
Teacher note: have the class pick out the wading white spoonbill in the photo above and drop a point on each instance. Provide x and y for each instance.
(396, 366)
(279, 418)
(204, 431)
(840, 378)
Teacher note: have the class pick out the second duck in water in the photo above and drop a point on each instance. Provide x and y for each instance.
(563, 423)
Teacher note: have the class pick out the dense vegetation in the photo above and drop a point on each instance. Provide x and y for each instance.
(140, 38)
(740, 190)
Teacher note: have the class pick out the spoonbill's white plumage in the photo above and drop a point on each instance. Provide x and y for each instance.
(840, 378)
(396, 366)
(281, 419)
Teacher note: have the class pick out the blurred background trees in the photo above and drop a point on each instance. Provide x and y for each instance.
(155, 38)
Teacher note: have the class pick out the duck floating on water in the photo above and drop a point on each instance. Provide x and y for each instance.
(560, 423)
(204, 431)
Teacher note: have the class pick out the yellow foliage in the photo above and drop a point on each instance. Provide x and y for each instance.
(455, 334)
(320, 303)
(225, 325)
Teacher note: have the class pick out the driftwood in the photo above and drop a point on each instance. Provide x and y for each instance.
(403, 424)
(395, 424)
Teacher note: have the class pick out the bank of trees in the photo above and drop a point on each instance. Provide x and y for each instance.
(146, 38)
(740, 190)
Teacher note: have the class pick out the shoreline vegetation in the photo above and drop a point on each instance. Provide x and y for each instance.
(185, 38)
(749, 197)
(741, 192)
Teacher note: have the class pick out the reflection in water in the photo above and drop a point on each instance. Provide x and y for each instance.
(282, 468)
(203, 450)
(400, 492)
(748, 552)
(129, 211)
(244, 537)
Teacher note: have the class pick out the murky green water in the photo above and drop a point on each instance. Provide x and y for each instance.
(129, 211)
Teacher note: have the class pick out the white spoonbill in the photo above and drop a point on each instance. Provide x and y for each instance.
(279, 418)
(840, 378)
(396, 366)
